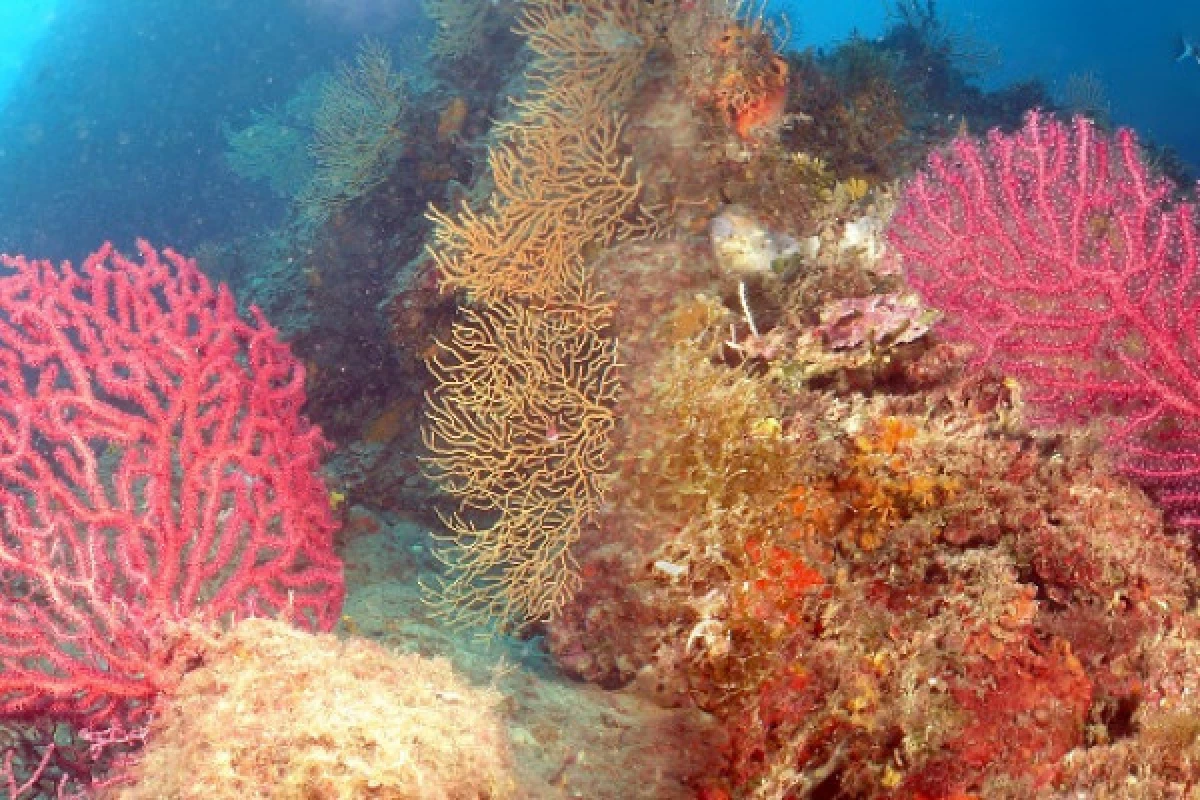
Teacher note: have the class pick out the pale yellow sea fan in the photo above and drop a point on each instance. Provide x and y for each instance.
(460, 26)
(519, 429)
(270, 149)
(1085, 93)
(358, 132)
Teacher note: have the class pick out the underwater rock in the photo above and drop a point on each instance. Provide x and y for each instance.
(865, 235)
(891, 318)
(743, 245)
(274, 712)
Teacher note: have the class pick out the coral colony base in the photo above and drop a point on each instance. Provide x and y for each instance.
(766, 468)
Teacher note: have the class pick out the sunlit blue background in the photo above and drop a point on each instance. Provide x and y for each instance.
(1130, 47)
(112, 109)
(22, 24)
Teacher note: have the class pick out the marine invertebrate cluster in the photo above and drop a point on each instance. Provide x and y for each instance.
(717, 442)
(898, 594)
(877, 626)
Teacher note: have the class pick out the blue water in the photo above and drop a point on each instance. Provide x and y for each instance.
(22, 25)
(1130, 47)
(113, 110)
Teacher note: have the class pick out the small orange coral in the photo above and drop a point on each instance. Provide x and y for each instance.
(879, 486)
(757, 118)
(780, 577)
(452, 119)
(752, 88)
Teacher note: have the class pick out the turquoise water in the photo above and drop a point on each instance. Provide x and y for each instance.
(22, 25)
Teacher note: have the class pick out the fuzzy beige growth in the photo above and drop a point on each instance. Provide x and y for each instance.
(277, 713)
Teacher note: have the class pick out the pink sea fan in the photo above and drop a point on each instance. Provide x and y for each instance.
(1058, 255)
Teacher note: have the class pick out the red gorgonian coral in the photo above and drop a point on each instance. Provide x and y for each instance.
(154, 468)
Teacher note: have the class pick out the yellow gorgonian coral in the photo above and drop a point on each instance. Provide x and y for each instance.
(519, 429)
(520, 420)
(562, 184)
(598, 45)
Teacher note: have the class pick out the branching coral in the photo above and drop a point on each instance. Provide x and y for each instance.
(460, 26)
(562, 184)
(272, 149)
(518, 429)
(357, 133)
(520, 421)
(598, 44)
